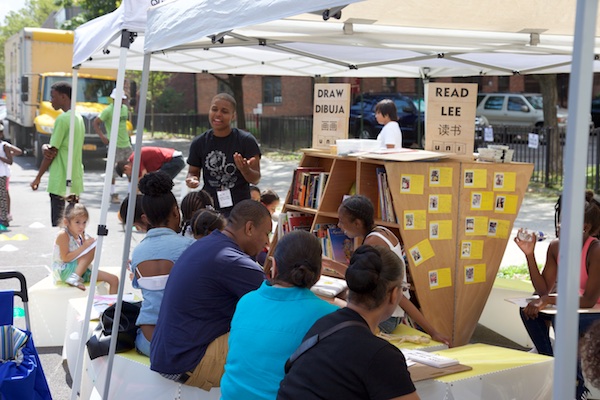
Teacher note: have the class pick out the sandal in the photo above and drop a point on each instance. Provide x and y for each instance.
(76, 281)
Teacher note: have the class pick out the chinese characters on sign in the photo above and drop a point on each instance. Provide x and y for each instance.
(331, 113)
(450, 124)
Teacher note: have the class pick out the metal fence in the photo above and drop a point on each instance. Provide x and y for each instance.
(294, 133)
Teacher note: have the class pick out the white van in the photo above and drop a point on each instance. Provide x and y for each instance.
(515, 109)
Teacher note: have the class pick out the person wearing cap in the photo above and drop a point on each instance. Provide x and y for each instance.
(153, 159)
(123, 143)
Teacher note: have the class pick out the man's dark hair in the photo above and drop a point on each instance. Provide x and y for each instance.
(247, 210)
(120, 167)
(62, 87)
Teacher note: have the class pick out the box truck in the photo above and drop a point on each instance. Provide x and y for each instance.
(36, 58)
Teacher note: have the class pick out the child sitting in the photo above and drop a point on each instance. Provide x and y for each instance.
(192, 202)
(205, 221)
(74, 251)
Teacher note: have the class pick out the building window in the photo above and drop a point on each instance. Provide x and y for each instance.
(272, 90)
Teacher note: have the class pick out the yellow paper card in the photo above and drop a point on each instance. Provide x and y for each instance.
(440, 278)
(440, 177)
(499, 228)
(475, 178)
(471, 249)
(483, 201)
(412, 184)
(505, 181)
(440, 230)
(440, 203)
(421, 252)
(415, 219)
(506, 203)
(475, 226)
(475, 273)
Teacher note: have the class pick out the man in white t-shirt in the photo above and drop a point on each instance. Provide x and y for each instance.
(386, 114)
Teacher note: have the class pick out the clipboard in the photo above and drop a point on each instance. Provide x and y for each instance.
(421, 372)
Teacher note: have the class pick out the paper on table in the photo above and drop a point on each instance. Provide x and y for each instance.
(102, 302)
(522, 301)
(87, 250)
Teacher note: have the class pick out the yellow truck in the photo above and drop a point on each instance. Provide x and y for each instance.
(36, 58)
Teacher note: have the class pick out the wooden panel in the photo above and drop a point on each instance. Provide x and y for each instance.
(341, 178)
(437, 303)
(475, 277)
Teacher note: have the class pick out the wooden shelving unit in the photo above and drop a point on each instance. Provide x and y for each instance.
(452, 284)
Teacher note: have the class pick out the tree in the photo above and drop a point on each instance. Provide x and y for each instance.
(34, 14)
(157, 81)
(549, 91)
(90, 9)
(234, 82)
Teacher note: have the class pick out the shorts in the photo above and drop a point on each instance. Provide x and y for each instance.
(67, 269)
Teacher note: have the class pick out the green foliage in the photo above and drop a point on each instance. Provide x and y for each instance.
(170, 101)
(515, 272)
(90, 9)
(34, 14)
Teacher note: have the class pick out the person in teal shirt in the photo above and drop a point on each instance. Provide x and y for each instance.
(269, 323)
(124, 149)
(56, 153)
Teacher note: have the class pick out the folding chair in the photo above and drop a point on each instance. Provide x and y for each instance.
(23, 377)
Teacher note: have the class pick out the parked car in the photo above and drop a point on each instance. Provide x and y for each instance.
(516, 109)
(363, 123)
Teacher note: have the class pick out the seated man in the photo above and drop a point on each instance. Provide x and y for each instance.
(153, 159)
(189, 344)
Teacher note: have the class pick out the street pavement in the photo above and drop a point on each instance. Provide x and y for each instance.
(32, 253)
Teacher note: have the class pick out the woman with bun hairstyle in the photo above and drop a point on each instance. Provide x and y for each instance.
(352, 362)
(269, 323)
(356, 219)
(153, 258)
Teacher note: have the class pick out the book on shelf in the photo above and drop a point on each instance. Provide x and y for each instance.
(323, 176)
(340, 246)
(386, 205)
(292, 220)
(298, 180)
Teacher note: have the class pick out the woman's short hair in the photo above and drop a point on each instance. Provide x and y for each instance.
(371, 271)
(360, 207)
(387, 108)
(298, 259)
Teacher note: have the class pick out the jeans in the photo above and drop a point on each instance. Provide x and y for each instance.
(539, 332)
(57, 208)
(142, 344)
(173, 167)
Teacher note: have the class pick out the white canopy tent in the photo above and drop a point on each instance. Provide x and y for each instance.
(386, 38)
(122, 26)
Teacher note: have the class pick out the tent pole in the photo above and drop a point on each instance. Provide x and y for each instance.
(69, 175)
(580, 93)
(102, 229)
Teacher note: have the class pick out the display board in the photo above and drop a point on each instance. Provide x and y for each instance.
(454, 217)
(331, 113)
(455, 220)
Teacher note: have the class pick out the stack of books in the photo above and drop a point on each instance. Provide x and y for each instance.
(308, 186)
(386, 205)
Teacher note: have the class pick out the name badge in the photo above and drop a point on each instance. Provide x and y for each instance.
(224, 198)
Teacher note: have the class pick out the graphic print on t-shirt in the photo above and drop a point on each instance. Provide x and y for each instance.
(222, 173)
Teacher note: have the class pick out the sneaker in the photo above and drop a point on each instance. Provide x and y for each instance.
(75, 280)
(114, 198)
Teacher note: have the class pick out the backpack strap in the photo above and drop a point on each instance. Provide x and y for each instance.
(313, 340)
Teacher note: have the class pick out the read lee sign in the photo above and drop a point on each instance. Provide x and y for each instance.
(450, 123)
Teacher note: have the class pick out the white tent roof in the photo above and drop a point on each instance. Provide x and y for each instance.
(374, 38)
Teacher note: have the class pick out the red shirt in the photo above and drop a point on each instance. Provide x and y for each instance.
(153, 158)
